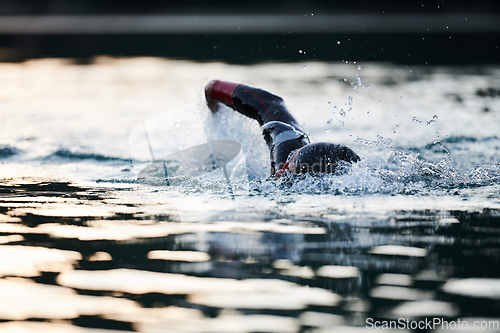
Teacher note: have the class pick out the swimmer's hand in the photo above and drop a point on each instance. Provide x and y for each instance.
(212, 104)
(278, 174)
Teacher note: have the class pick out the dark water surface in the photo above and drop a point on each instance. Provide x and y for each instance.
(271, 272)
(409, 234)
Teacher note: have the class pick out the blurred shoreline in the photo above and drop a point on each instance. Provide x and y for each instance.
(245, 24)
(402, 38)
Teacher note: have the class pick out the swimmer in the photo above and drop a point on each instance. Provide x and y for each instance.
(289, 145)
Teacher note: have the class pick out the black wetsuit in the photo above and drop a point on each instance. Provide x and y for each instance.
(281, 130)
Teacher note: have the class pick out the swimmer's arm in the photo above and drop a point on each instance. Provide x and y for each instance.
(219, 92)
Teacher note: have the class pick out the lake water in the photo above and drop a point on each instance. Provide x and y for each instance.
(411, 233)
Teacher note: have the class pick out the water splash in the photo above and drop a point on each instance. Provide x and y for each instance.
(412, 174)
(358, 80)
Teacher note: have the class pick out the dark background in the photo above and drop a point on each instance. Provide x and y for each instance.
(393, 31)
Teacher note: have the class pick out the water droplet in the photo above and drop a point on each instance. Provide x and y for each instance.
(329, 102)
(338, 42)
(368, 86)
(327, 130)
(300, 51)
(345, 80)
(304, 67)
(341, 123)
(359, 68)
(433, 120)
(358, 80)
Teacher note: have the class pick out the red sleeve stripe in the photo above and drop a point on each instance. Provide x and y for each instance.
(223, 92)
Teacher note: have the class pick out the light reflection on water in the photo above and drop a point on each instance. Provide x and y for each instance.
(410, 232)
(280, 275)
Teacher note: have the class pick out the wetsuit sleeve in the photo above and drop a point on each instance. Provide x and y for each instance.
(252, 102)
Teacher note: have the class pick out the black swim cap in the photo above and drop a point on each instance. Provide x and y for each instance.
(322, 157)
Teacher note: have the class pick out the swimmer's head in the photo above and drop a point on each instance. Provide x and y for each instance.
(320, 157)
